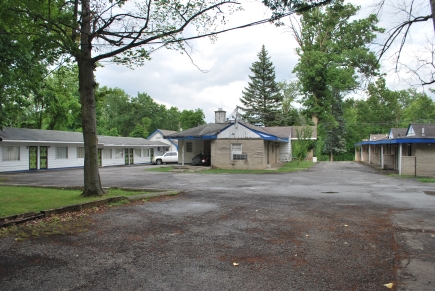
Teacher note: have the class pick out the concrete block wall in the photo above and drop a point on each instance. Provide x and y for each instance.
(365, 157)
(254, 148)
(425, 160)
(389, 161)
(408, 165)
(374, 158)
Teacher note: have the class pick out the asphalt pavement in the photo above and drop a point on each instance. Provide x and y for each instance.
(337, 226)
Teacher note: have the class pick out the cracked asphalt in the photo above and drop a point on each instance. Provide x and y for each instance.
(337, 226)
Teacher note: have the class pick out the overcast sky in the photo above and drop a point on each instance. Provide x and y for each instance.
(171, 79)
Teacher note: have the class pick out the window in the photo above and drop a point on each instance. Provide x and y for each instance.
(119, 154)
(189, 147)
(236, 152)
(146, 152)
(137, 152)
(80, 153)
(107, 154)
(11, 153)
(61, 153)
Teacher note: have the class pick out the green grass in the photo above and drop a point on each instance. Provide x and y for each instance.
(285, 168)
(159, 169)
(426, 180)
(420, 179)
(16, 200)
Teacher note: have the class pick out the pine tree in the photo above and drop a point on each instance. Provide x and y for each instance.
(262, 98)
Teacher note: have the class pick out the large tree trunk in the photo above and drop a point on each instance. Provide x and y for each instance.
(92, 182)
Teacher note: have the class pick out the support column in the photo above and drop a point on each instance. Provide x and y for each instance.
(370, 155)
(182, 153)
(382, 156)
(400, 159)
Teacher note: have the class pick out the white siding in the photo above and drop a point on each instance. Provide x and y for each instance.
(197, 148)
(21, 165)
(285, 151)
(237, 131)
(52, 162)
(159, 137)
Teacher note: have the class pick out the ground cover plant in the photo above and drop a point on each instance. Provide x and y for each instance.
(16, 200)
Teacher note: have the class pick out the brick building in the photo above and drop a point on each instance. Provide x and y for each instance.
(410, 151)
(234, 144)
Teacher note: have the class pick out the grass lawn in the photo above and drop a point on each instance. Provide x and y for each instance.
(420, 179)
(285, 168)
(16, 200)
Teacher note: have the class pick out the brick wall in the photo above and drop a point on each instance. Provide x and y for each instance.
(425, 160)
(389, 161)
(365, 157)
(254, 148)
(408, 165)
(374, 158)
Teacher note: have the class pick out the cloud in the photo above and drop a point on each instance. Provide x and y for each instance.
(171, 78)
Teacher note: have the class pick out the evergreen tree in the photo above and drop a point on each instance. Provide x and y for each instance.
(262, 98)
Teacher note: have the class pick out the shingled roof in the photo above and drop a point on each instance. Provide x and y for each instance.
(421, 130)
(209, 129)
(57, 136)
(27, 134)
(397, 132)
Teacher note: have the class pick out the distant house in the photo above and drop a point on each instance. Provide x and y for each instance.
(410, 151)
(32, 149)
(236, 144)
(171, 144)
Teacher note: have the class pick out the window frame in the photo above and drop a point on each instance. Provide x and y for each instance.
(237, 153)
(80, 152)
(135, 153)
(59, 155)
(11, 149)
(189, 147)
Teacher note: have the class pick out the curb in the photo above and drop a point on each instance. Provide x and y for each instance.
(24, 217)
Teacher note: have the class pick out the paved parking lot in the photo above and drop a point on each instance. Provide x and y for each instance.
(338, 226)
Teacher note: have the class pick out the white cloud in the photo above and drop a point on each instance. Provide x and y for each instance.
(170, 78)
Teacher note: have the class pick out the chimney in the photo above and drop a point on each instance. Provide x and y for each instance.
(422, 131)
(220, 116)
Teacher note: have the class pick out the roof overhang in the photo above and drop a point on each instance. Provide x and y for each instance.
(397, 141)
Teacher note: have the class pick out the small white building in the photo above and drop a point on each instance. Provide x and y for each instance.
(171, 144)
(24, 149)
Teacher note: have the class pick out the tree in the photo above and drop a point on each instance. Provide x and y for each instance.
(262, 98)
(289, 115)
(333, 54)
(89, 31)
(335, 141)
(411, 13)
(381, 111)
(303, 144)
(191, 118)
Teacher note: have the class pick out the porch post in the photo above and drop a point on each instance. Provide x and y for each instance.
(370, 151)
(182, 153)
(400, 159)
(382, 156)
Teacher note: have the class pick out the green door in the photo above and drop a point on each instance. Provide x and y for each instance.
(131, 156)
(151, 154)
(43, 164)
(126, 157)
(33, 158)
